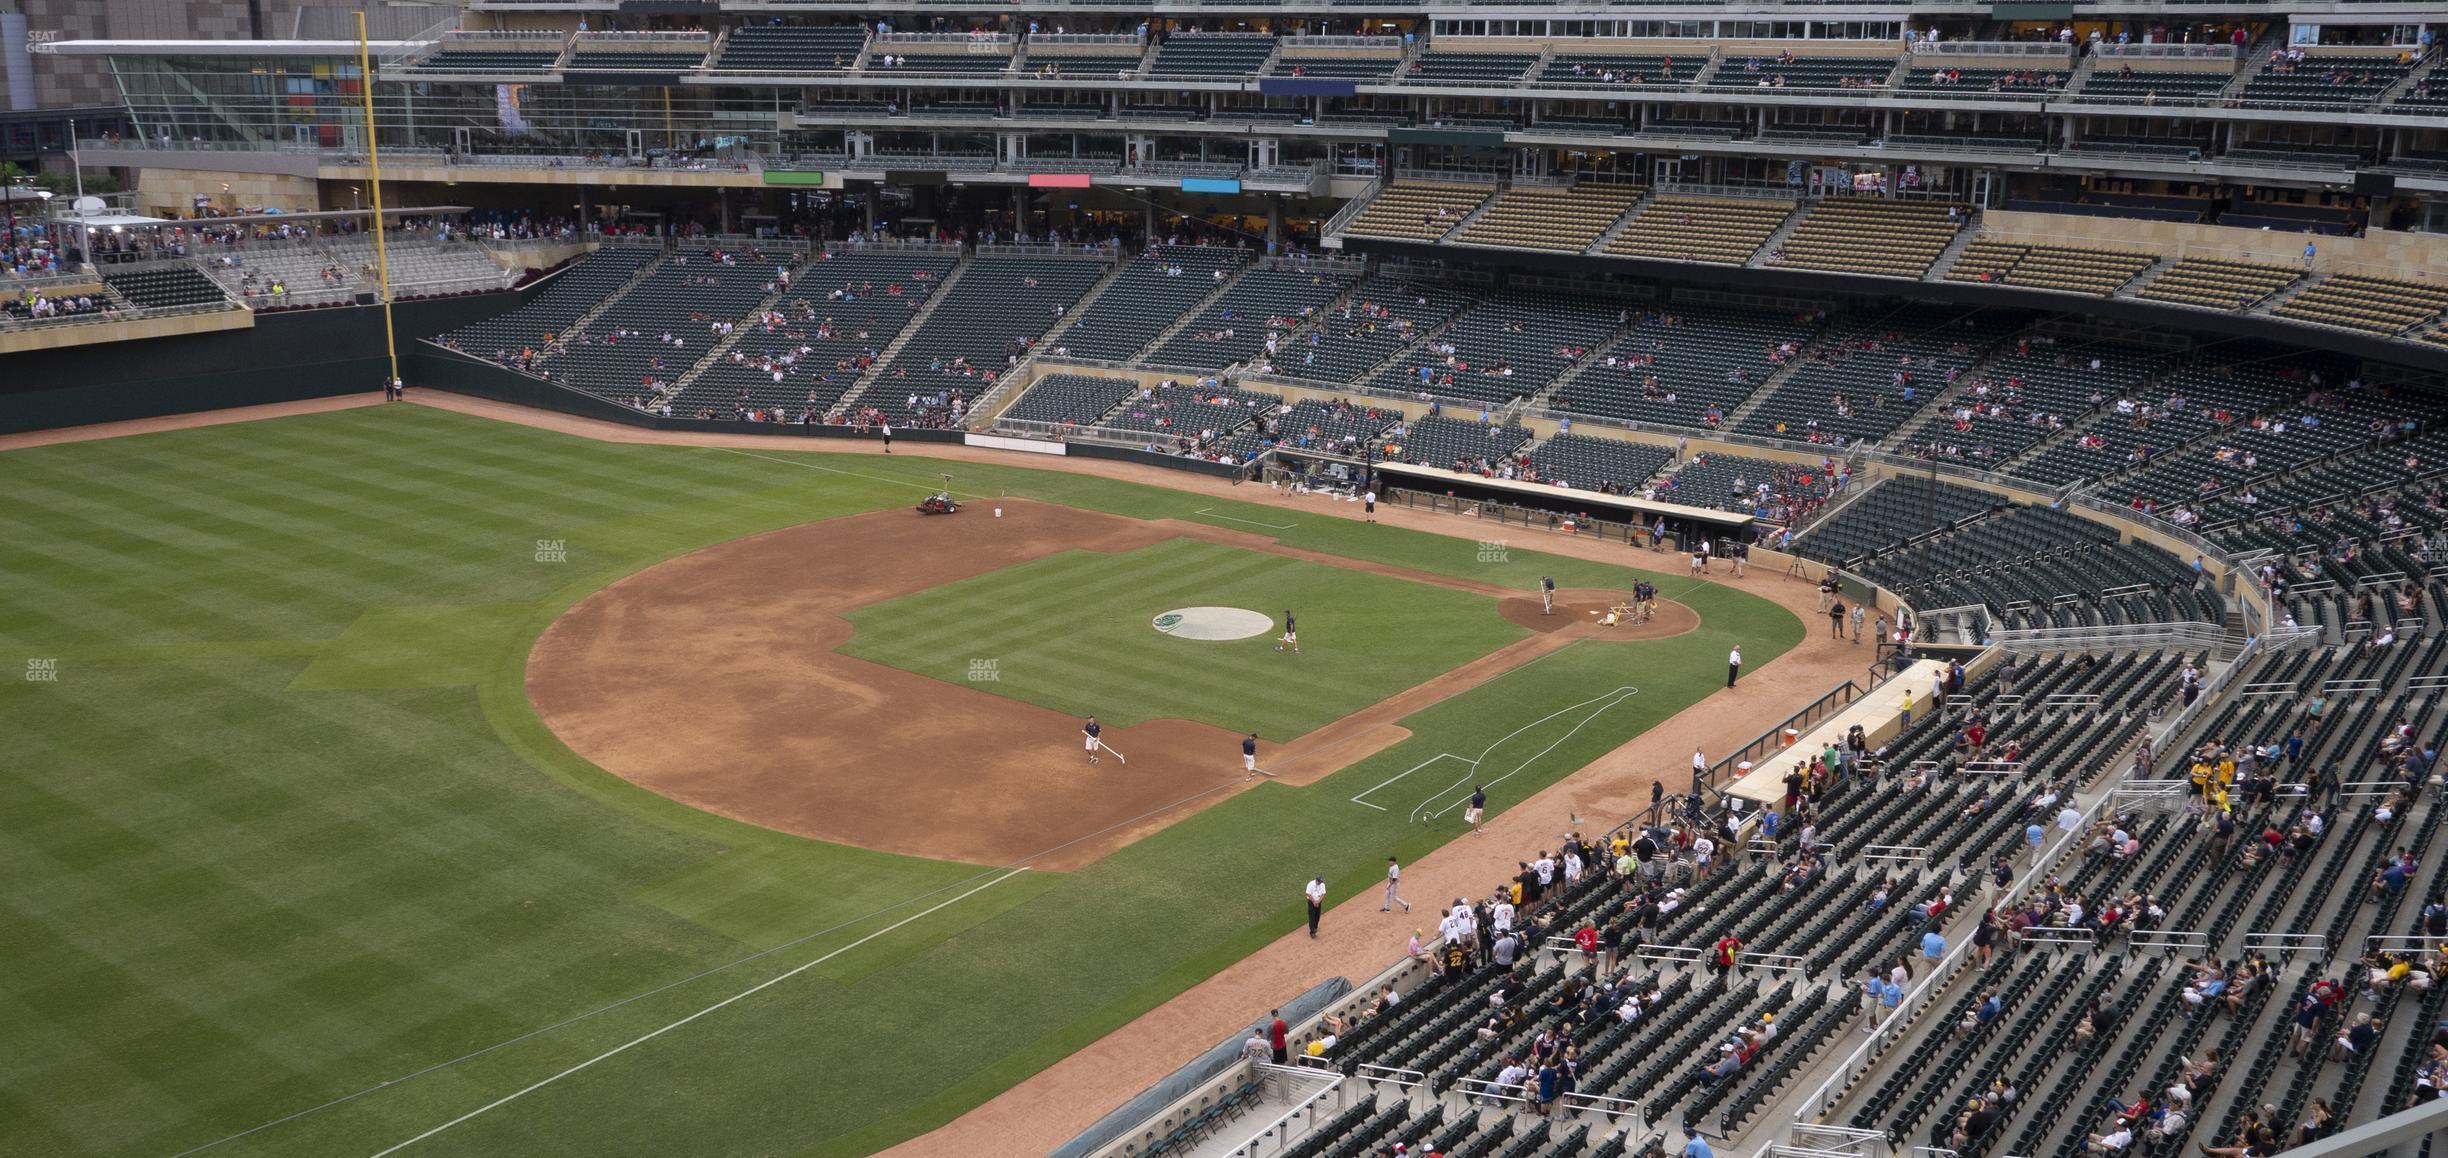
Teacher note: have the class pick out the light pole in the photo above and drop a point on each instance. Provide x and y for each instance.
(43, 197)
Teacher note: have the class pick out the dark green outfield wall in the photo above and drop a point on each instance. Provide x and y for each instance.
(285, 357)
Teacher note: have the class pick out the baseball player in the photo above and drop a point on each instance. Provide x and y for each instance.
(1393, 893)
(1092, 730)
(1291, 637)
(1249, 756)
(1546, 594)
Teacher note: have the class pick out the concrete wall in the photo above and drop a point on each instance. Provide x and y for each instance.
(17, 341)
(173, 191)
(282, 357)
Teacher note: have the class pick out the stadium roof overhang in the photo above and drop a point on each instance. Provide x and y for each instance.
(321, 215)
(113, 220)
(128, 220)
(347, 48)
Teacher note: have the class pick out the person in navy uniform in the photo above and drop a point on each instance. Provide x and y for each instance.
(1092, 730)
(1291, 637)
(1546, 594)
(1249, 755)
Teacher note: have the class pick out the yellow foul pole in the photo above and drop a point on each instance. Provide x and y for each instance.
(382, 250)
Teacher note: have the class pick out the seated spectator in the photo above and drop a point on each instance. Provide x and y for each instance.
(1981, 1015)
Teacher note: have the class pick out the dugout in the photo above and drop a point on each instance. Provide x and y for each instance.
(1539, 506)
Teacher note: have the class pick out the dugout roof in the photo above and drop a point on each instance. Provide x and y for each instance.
(1625, 508)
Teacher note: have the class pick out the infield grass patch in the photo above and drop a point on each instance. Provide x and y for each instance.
(1073, 632)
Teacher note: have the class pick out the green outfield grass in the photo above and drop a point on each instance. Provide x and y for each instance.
(1074, 632)
(283, 826)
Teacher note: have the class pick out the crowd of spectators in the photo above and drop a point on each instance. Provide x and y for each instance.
(36, 306)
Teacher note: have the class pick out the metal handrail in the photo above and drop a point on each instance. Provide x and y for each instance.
(1319, 41)
(670, 37)
(2165, 51)
(2032, 48)
(1068, 39)
(1003, 39)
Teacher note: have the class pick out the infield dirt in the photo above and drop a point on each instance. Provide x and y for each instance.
(713, 679)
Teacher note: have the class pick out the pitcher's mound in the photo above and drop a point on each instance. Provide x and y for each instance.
(1213, 623)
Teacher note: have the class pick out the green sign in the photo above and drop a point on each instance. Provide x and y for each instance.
(793, 177)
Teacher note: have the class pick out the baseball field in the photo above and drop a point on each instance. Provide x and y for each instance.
(396, 780)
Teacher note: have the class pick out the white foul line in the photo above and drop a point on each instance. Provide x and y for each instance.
(741, 995)
(1238, 519)
(1406, 772)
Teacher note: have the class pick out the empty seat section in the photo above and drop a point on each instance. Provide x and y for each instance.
(461, 58)
(1803, 72)
(1192, 55)
(513, 338)
(1580, 461)
(1684, 365)
(676, 58)
(1869, 376)
(1416, 210)
(1264, 304)
(838, 317)
(1872, 236)
(976, 59)
(2020, 81)
(990, 318)
(2031, 391)
(1454, 443)
(1069, 399)
(2324, 80)
(2215, 284)
(2091, 272)
(1780, 492)
(2137, 86)
(1339, 427)
(1619, 70)
(2373, 305)
(646, 339)
(1376, 321)
(1152, 293)
(1193, 418)
(792, 48)
(1710, 230)
(1470, 68)
(1560, 220)
(1512, 344)
(1897, 508)
(1353, 66)
(165, 287)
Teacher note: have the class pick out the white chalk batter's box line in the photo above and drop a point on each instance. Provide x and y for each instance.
(1429, 809)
